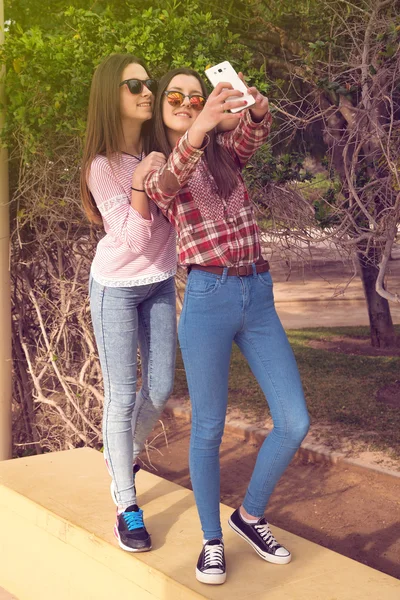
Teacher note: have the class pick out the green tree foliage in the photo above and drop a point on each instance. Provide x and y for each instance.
(44, 13)
(49, 71)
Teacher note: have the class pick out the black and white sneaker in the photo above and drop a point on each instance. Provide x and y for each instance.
(260, 537)
(211, 566)
(113, 491)
(130, 531)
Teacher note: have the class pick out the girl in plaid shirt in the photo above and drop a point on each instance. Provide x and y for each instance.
(228, 298)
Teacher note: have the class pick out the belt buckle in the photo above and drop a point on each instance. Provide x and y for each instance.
(242, 271)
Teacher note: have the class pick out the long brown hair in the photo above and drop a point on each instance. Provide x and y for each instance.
(104, 128)
(220, 163)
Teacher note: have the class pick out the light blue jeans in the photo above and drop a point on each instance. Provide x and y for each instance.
(123, 319)
(217, 311)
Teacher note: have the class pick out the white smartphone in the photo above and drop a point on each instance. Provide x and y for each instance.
(225, 72)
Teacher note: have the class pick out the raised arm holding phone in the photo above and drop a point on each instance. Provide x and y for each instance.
(228, 298)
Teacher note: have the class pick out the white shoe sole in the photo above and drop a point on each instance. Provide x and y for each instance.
(113, 494)
(276, 560)
(211, 579)
(127, 548)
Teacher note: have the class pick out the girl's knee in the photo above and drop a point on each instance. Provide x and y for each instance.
(159, 394)
(208, 433)
(293, 431)
(301, 427)
(121, 405)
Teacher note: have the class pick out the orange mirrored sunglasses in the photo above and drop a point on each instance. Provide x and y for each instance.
(177, 98)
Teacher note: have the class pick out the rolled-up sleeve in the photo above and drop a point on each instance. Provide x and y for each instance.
(247, 137)
(163, 185)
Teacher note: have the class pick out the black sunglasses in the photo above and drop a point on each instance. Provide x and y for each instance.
(135, 86)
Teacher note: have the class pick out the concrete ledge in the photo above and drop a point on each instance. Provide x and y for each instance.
(56, 520)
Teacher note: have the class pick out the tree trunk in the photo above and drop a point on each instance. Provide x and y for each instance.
(380, 320)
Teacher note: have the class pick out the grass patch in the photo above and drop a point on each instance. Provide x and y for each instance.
(340, 389)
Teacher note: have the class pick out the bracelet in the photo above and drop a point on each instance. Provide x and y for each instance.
(136, 189)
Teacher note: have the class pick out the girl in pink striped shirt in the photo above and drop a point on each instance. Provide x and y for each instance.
(132, 292)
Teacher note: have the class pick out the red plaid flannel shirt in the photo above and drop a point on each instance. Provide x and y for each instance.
(211, 230)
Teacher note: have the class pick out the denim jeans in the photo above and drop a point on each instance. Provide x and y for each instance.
(123, 319)
(217, 311)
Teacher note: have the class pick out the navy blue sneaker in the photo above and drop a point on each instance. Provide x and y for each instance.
(259, 536)
(211, 566)
(130, 530)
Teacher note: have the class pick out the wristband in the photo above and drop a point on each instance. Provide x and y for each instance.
(136, 189)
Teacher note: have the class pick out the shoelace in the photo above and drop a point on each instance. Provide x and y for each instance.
(134, 520)
(265, 532)
(214, 556)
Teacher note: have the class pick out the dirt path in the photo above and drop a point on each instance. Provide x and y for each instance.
(353, 511)
(325, 292)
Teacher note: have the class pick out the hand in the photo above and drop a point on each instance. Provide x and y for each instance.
(155, 160)
(228, 125)
(214, 111)
(261, 107)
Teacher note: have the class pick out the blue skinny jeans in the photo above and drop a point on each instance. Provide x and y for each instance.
(217, 311)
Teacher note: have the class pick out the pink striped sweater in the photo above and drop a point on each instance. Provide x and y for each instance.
(135, 250)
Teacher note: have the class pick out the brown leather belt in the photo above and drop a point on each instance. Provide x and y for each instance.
(238, 271)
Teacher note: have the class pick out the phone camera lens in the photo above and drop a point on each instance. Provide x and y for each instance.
(219, 70)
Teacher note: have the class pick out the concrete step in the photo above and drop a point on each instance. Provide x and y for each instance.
(56, 522)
